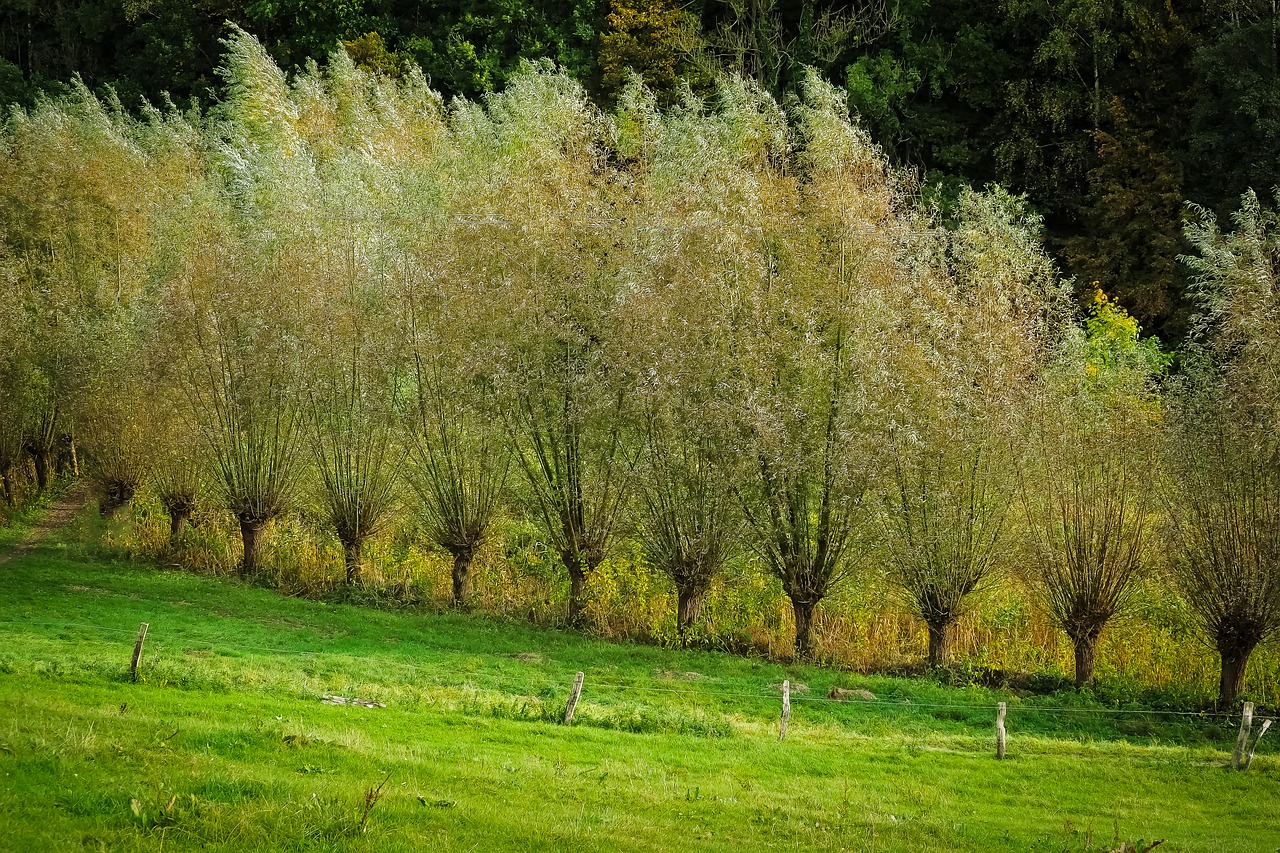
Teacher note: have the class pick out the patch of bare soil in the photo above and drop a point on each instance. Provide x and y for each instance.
(58, 516)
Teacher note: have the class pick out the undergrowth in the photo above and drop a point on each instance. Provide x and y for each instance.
(1151, 656)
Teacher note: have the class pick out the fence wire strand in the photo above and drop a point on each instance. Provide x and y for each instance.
(518, 681)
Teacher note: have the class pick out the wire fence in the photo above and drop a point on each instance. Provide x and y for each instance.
(1246, 742)
(518, 684)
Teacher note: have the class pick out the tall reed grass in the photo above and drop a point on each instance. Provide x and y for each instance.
(1153, 653)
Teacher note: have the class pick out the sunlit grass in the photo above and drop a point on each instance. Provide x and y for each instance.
(226, 743)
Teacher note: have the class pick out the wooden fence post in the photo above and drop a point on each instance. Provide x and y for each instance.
(786, 709)
(573, 698)
(1248, 759)
(137, 651)
(1242, 739)
(1000, 732)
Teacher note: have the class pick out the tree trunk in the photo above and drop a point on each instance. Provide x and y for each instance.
(803, 611)
(1086, 647)
(107, 501)
(252, 533)
(116, 496)
(939, 643)
(10, 486)
(352, 549)
(462, 577)
(1234, 661)
(68, 463)
(41, 460)
(577, 599)
(688, 606)
(177, 523)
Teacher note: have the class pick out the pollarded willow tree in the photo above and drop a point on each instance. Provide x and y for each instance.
(352, 416)
(80, 182)
(689, 520)
(117, 415)
(453, 299)
(461, 461)
(460, 475)
(690, 525)
(119, 438)
(565, 397)
(680, 342)
(237, 356)
(1224, 526)
(361, 135)
(1089, 484)
(815, 285)
(1224, 440)
(568, 417)
(179, 471)
(242, 257)
(985, 313)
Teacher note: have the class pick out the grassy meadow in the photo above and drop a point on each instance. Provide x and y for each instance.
(226, 742)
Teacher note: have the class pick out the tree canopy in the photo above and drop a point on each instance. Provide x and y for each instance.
(1105, 114)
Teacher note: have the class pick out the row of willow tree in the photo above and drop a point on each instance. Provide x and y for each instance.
(719, 328)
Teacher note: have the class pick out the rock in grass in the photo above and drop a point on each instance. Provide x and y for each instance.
(343, 700)
(842, 694)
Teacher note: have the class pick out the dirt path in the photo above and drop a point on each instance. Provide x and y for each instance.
(58, 516)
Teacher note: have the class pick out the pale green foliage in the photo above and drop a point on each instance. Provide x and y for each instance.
(1089, 486)
(258, 103)
(714, 167)
(833, 152)
(1234, 280)
(983, 315)
(81, 190)
(637, 120)
(1225, 442)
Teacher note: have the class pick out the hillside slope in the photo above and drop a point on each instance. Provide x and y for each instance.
(227, 742)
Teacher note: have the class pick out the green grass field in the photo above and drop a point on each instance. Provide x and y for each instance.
(226, 743)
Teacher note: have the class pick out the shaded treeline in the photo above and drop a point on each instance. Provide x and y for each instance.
(725, 331)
